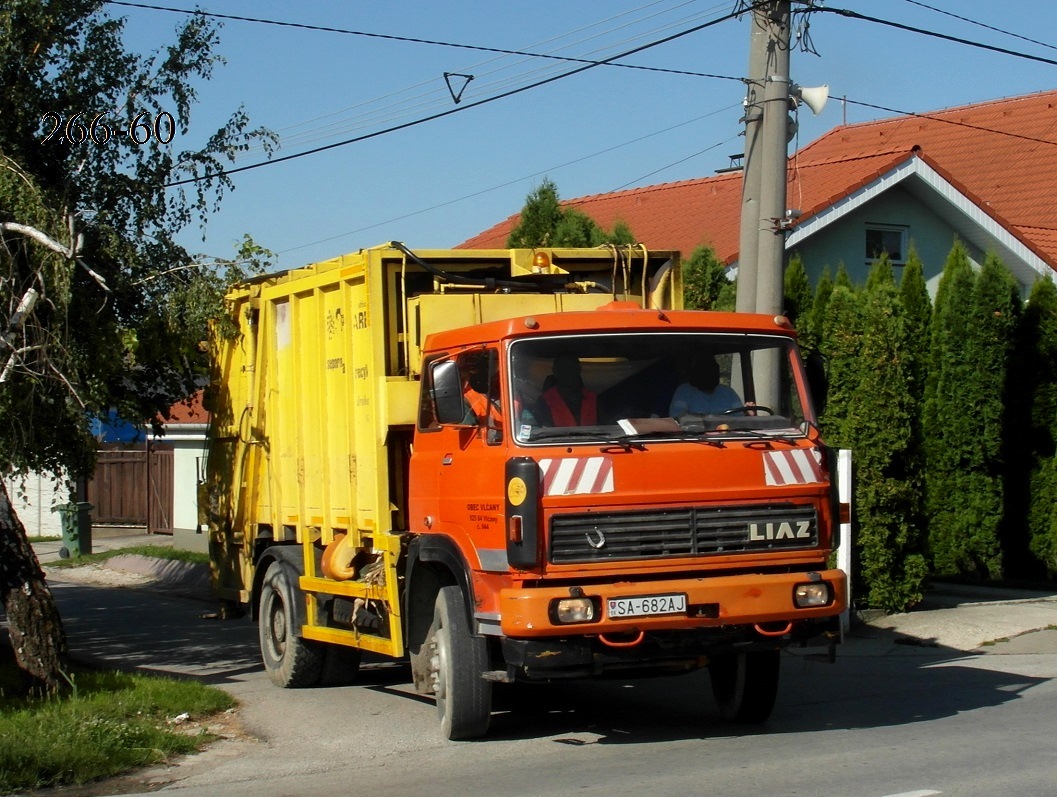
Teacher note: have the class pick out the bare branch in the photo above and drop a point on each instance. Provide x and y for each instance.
(41, 238)
(9, 366)
(65, 381)
(50, 243)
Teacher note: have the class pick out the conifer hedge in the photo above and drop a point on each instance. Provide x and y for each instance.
(950, 408)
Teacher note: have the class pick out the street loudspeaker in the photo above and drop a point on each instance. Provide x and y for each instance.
(814, 97)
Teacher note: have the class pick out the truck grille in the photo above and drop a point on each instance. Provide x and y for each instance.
(685, 531)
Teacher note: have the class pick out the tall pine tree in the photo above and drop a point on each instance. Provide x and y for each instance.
(1030, 544)
(881, 432)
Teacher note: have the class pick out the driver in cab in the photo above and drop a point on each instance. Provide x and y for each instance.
(702, 393)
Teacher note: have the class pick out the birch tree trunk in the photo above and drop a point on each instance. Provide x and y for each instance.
(35, 627)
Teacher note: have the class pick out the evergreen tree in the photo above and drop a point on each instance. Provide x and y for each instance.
(576, 228)
(539, 218)
(843, 279)
(880, 430)
(959, 495)
(816, 320)
(545, 222)
(995, 310)
(1031, 497)
(704, 279)
(918, 309)
(798, 297)
(840, 346)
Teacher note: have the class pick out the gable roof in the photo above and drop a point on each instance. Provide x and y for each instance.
(997, 157)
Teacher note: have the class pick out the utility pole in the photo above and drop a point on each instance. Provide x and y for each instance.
(774, 151)
(749, 232)
(762, 233)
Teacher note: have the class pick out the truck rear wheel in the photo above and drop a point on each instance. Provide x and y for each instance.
(745, 685)
(289, 660)
(458, 660)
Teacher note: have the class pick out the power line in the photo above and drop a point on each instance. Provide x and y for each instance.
(415, 40)
(844, 12)
(955, 122)
(981, 24)
(538, 173)
(460, 108)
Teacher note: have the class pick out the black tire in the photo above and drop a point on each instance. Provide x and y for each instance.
(290, 661)
(457, 662)
(745, 685)
(341, 665)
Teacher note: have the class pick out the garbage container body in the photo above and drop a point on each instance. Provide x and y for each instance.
(76, 520)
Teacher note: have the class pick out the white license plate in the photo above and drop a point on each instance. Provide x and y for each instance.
(646, 605)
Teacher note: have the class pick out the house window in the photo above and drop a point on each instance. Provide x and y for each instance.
(889, 238)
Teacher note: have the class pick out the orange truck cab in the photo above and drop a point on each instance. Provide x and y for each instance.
(544, 469)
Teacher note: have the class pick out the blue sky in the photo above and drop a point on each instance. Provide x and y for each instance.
(435, 184)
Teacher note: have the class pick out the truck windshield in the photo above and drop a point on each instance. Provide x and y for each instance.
(606, 387)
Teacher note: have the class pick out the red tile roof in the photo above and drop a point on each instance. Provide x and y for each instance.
(188, 411)
(1001, 154)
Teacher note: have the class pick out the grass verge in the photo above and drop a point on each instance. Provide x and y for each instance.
(112, 723)
(156, 551)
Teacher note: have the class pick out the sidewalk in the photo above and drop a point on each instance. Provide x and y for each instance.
(104, 538)
(970, 618)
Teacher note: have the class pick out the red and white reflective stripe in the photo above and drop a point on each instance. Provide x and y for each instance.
(577, 475)
(795, 466)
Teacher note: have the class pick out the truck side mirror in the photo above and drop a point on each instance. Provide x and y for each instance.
(817, 380)
(446, 390)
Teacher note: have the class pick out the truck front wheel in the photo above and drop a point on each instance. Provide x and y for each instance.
(289, 660)
(457, 662)
(745, 685)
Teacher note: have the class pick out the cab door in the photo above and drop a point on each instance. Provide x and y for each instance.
(460, 455)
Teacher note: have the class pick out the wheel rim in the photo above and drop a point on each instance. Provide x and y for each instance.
(441, 666)
(277, 628)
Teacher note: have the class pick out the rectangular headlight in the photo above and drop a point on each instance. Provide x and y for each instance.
(565, 611)
(816, 593)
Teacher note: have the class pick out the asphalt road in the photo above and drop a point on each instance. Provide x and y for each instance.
(886, 719)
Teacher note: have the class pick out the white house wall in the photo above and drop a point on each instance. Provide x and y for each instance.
(32, 500)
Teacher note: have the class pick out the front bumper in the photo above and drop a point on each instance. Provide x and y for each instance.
(657, 653)
(764, 600)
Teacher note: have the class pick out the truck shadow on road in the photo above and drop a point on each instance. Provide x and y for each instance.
(857, 692)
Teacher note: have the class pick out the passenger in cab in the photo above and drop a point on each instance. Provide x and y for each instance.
(565, 401)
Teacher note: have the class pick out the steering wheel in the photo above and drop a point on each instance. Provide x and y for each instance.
(746, 409)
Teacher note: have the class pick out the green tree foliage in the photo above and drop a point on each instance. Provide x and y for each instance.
(997, 309)
(972, 326)
(540, 217)
(918, 312)
(814, 325)
(704, 280)
(841, 331)
(797, 290)
(576, 228)
(113, 327)
(88, 221)
(545, 222)
(949, 433)
(1031, 465)
(881, 432)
